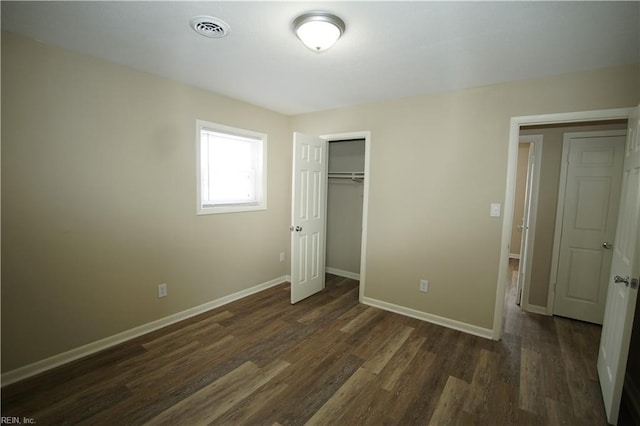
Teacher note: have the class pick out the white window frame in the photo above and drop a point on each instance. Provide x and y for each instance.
(260, 139)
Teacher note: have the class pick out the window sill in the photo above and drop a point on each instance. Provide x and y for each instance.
(237, 208)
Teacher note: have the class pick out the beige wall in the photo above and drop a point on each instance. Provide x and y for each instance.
(548, 199)
(519, 203)
(98, 187)
(344, 207)
(437, 162)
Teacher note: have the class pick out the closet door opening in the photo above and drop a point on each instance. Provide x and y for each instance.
(345, 203)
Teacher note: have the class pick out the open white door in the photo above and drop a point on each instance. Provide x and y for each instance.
(308, 217)
(623, 284)
(529, 217)
(523, 266)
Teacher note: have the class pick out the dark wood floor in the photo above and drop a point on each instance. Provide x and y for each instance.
(326, 361)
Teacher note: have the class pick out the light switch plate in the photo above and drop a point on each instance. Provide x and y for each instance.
(495, 210)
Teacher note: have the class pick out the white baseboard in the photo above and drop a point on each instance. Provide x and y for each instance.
(434, 319)
(88, 349)
(341, 273)
(535, 309)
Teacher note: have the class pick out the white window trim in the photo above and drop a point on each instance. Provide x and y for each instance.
(262, 171)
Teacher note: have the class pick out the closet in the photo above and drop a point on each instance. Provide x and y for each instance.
(345, 192)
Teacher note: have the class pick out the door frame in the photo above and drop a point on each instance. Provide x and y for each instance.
(531, 206)
(366, 135)
(512, 153)
(557, 231)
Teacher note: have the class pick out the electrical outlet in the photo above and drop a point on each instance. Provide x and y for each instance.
(162, 290)
(424, 286)
(282, 256)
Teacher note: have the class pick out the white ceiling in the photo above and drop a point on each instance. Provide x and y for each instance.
(389, 50)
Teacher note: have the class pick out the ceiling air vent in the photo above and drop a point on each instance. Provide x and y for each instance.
(209, 26)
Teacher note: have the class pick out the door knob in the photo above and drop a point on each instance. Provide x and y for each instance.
(606, 245)
(297, 228)
(618, 279)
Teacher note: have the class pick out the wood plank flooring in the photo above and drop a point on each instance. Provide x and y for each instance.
(326, 361)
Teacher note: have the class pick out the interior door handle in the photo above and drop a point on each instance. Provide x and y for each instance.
(297, 228)
(618, 279)
(629, 282)
(606, 245)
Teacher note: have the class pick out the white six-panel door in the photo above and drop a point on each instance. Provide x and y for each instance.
(308, 216)
(589, 214)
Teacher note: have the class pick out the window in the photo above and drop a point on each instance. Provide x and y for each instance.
(231, 169)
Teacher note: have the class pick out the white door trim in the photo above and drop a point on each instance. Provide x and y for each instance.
(536, 142)
(514, 137)
(366, 135)
(557, 232)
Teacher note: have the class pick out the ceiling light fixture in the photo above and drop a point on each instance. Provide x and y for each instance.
(318, 30)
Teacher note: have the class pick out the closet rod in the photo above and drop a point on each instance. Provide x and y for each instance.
(355, 176)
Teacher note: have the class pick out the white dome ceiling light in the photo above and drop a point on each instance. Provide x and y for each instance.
(318, 30)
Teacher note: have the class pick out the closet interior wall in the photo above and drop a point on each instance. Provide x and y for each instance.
(344, 208)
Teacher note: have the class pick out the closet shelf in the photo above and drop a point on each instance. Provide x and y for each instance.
(354, 176)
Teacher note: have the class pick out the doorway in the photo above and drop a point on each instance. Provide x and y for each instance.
(365, 177)
(345, 193)
(538, 277)
(533, 124)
